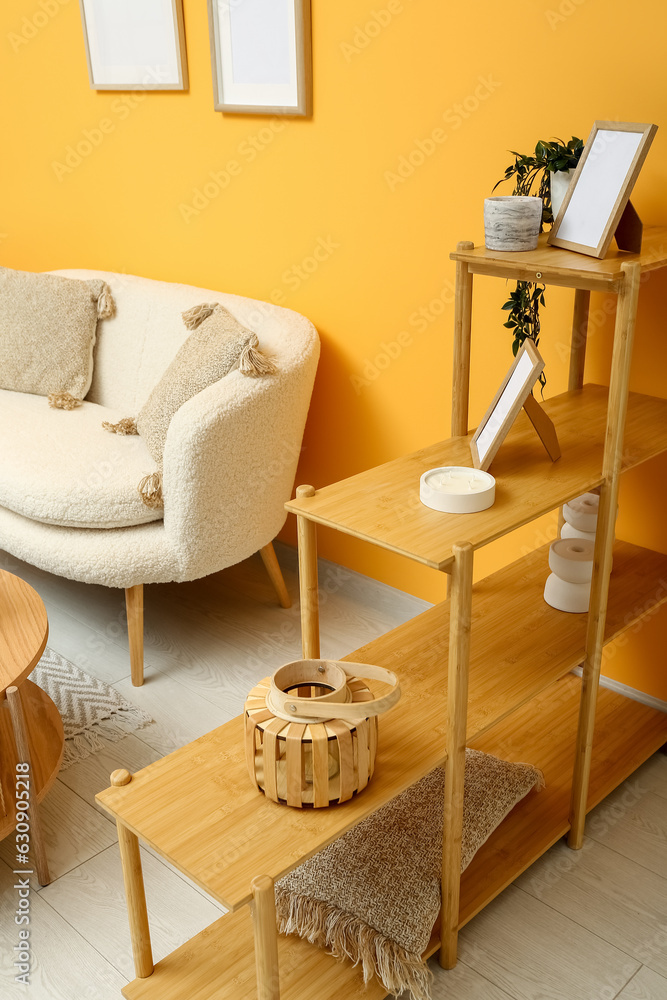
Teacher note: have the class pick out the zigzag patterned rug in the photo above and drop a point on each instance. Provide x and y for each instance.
(93, 713)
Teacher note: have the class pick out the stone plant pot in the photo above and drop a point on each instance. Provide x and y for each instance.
(512, 222)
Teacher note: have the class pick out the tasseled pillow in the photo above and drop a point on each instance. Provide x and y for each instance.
(48, 326)
(218, 344)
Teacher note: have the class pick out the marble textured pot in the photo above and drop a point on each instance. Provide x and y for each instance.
(512, 222)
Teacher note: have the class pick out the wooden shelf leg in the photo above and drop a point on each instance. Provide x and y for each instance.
(462, 334)
(308, 586)
(582, 301)
(135, 894)
(266, 938)
(134, 604)
(604, 539)
(457, 710)
(37, 848)
(272, 566)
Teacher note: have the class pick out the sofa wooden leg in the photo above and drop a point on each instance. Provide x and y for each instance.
(134, 602)
(270, 559)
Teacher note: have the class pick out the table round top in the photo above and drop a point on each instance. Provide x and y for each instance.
(24, 628)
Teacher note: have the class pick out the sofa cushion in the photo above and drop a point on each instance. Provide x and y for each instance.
(135, 348)
(211, 351)
(47, 331)
(61, 467)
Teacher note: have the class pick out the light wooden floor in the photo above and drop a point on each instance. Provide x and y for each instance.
(590, 925)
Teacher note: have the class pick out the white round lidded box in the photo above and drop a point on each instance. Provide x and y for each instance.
(456, 489)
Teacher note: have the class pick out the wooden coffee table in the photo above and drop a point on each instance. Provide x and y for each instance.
(31, 730)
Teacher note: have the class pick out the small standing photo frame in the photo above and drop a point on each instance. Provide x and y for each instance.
(135, 44)
(514, 394)
(597, 207)
(261, 56)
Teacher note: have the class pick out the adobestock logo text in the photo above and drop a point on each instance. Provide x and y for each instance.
(454, 117)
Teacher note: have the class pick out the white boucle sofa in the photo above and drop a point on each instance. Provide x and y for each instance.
(68, 489)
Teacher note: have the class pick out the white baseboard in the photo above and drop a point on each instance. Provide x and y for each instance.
(641, 696)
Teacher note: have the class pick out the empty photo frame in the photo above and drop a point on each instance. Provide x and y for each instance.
(261, 56)
(508, 401)
(135, 44)
(599, 193)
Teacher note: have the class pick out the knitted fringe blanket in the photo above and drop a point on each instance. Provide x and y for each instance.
(373, 896)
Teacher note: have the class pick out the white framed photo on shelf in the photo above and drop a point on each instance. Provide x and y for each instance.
(597, 204)
(506, 406)
(261, 56)
(135, 44)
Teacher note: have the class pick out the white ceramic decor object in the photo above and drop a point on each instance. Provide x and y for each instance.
(572, 559)
(569, 586)
(571, 597)
(582, 512)
(455, 489)
(567, 531)
(512, 222)
(560, 181)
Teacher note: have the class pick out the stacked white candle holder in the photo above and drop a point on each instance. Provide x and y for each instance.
(581, 517)
(568, 588)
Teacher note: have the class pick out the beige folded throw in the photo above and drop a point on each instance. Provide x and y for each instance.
(373, 896)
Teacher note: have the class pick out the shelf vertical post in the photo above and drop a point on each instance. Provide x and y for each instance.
(135, 893)
(457, 711)
(626, 312)
(582, 301)
(462, 334)
(266, 938)
(308, 588)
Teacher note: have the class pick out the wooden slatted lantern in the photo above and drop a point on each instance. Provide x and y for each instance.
(312, 731)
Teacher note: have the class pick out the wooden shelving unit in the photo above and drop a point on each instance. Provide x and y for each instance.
(218, 963)
(490, 667)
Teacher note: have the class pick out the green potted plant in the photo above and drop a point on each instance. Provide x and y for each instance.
(548, 170)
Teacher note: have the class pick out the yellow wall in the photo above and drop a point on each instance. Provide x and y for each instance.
(387, 74)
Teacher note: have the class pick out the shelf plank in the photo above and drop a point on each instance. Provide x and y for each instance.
(627, 733)
(214, 828)
(556, 266)
(508, 665)
(218, 964)
(382, 505)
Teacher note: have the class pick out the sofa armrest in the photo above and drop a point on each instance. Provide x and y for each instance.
(229, 463)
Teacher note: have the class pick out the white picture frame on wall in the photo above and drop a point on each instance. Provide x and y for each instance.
(135, 44)
(261, 56)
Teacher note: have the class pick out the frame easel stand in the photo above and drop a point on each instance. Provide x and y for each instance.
(544, 425)
(629, 230)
